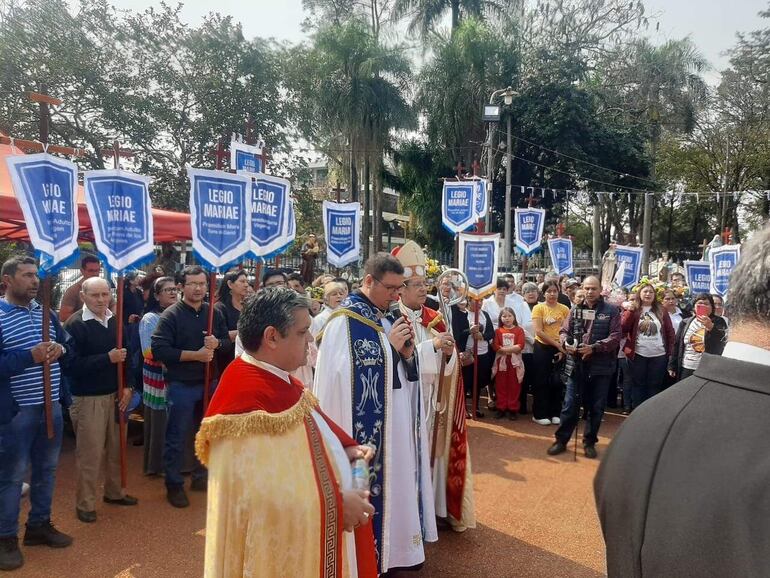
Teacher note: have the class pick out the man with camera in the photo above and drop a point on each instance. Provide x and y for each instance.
(590, 336)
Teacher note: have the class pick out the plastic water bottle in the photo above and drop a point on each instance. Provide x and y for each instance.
(360, 474)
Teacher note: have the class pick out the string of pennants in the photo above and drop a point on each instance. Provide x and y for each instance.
(544, 192)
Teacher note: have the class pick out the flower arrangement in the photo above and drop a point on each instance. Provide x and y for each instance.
(432, 268)
(315, 293)
(660, 288)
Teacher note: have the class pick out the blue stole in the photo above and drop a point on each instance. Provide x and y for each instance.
(370, 397)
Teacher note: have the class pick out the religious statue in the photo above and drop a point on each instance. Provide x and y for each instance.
(609, 260)
(309, 252)
(715, 242)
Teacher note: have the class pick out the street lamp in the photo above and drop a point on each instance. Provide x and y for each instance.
(492, 114)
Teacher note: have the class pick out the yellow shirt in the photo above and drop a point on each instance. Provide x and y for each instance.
(552, 318)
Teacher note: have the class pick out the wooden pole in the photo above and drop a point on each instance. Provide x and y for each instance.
(46, 336)
(209, 329)
(43, 101)
(475, 364)
(121, 377)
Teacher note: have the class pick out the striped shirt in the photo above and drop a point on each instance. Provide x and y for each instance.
(21, 328)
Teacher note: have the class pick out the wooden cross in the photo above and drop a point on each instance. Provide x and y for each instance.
(475, 166)
(220, 153)
(116, 152)
(727, 236)
(338, 190)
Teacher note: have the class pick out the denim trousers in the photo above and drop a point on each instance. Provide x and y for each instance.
(23, 443)
(593, 396)
(648, 374)
(184, 407)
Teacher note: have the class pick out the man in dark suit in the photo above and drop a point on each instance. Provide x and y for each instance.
(683, 489)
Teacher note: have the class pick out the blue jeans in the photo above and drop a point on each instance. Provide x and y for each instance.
(184, 406)
(24, 442)
(648, 374)
(593, 398)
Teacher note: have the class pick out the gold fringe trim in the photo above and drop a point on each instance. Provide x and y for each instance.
(219, 427)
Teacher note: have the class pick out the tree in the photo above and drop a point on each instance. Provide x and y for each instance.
(426, 15)
(349, 91)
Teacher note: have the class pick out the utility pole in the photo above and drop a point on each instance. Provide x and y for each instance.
(646, 233)
(507, 231)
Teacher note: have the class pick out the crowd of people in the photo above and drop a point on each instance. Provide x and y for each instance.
(395, 384)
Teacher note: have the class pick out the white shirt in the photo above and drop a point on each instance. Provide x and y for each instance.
(746, 352)
(650, 343)
(676, 319)
(277, 371)
(483, 346)
(88, 315)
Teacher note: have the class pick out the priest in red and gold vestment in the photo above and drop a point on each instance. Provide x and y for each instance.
(280, 495)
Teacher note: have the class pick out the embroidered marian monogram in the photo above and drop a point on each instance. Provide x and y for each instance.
(369, 397)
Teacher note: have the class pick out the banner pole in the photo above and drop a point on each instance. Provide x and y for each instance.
(47, 395)
(476, 362)
(210, 327)
(123, 433)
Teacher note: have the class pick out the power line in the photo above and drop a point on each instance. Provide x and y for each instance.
(622, 174)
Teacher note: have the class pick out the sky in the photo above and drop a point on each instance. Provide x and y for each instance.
(712, 24)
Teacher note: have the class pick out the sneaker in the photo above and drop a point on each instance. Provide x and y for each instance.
(590, 451)
(199, 485)
(10, 555)
(46, 535)
(556, 449)
(500, 414)
(513, 416)
(556, 421)
(544, 421)
(177, 497)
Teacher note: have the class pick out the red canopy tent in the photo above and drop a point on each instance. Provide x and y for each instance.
(169, 225)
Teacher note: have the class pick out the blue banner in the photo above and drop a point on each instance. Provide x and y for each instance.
(458, 205)
(342, 228)
(481, 198)
(698, 274)
(722, 261)
(529, 225)
(118, 203)
(245, 158)
(478, 260)
(631, 258)
(46, 188)
(561, 255)
(270, 205)
(220, 215)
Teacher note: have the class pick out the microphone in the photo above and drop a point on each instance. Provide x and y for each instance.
(395, 310)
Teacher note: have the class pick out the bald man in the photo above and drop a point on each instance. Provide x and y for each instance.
(94, 381)
(590, 336)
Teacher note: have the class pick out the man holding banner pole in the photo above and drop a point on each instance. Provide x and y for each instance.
(181, 342)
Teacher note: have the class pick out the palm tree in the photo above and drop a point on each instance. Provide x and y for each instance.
(425, 15)
(352, 88)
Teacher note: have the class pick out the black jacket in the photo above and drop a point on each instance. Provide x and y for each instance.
(683, 488)
(715, 342)
(461, 328)
(182, 328)
(92, 372)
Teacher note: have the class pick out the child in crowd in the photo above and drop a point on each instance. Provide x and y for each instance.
(508, 367)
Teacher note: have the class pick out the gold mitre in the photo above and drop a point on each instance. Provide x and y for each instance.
(412, 257)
